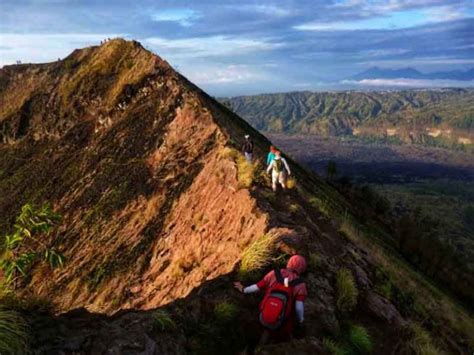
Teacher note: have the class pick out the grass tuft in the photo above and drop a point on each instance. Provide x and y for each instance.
(13, 332)
(294, 208)
(245, 170)
(225, 311)
(162, 321)
(334, 348)
(257, 255)
(346, 290)
(421, 342)
(349, 230)
(360, 339)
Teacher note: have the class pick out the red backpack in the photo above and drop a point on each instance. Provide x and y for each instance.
(277, 305)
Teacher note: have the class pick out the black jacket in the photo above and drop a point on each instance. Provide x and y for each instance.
(247, 147)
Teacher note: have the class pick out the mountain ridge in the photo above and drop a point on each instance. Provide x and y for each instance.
(145, 169)
(410, 116)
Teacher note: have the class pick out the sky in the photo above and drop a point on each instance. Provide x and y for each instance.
(248, 47)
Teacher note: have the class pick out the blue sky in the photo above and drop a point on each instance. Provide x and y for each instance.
(247, 47)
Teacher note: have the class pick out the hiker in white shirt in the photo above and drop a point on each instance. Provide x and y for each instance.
(280, 169)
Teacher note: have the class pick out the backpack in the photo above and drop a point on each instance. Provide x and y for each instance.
(277, 305)
(277, 165)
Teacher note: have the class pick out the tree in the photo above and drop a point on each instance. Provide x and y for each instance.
(26, 244)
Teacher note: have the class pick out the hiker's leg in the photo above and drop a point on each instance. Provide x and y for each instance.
(274, 180)
(282, 180)
(248, 156)
(264, 338)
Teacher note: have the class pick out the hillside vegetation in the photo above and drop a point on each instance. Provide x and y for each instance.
(442, 117)
(160, 213)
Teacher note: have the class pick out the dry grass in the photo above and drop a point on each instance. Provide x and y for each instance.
(320, 204)
(257, 255)
(346, 290)
(294, 208)
(245, 171)
(349, 230)
(421, 342)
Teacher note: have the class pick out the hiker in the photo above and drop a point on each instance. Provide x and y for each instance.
(271, 155)
(278, 167)
(283, 303)
(247, 148)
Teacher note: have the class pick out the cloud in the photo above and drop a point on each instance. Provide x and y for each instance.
(409, 83)
(209, 46)
(390, 20)
(234, 73)
(185, 17)
(419, 61)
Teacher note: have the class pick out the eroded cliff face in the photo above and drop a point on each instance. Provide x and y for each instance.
(134, 157)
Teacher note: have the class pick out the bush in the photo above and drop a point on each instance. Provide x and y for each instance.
(225, 311)
(360, 339)
(162, 321)
(257, 255)
(346, 291)
(30, 225)
(13, 332)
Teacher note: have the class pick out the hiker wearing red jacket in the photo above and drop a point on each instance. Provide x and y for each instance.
(284, 298)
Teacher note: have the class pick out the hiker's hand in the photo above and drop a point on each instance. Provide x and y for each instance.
(238, 285)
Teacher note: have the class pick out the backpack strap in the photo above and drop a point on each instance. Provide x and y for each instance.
(279, 276)
(295, 282)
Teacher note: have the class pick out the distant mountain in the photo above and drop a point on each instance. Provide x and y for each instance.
(409, 115)
(410, 73)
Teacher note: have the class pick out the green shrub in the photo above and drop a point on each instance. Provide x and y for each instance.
(360, 339)
(225, 311)
(334, 348)
(31, 224)
(257, 255)
(13, 332)
(346, 291)
(162, 321)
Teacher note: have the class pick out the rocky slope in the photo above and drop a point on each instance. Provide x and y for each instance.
(156, 213)
(432, 117)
